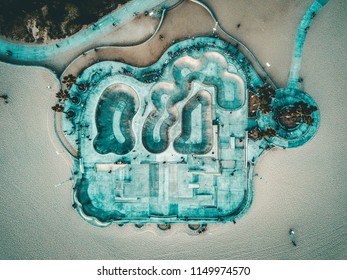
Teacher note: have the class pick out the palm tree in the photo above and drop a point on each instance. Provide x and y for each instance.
(70, 79)
(258, 134)
(266, 90)
(300, 112)
(264, 106)
(58, 108)
(265, 94)
(268, 133)
(63, 95)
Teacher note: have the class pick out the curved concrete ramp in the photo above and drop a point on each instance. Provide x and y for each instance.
(115, 110)
(199, 124)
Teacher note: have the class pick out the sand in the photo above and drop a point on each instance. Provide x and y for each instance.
(304, 188)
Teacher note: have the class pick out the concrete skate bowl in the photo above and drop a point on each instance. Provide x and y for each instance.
(196, 136)
(211, 69)
(155, 132)
(100, 207)
(115, 111)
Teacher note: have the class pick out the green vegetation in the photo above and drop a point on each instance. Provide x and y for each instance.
(299, 112)
(53, 19)
(69, 80)
(63, 95)
(58, 108)
(265, 94)
(258, 134)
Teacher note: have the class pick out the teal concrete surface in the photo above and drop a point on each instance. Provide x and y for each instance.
(297, 136)
(293, 81)
(168, 143)
(250, 55)
(119, 103)
(32, 54)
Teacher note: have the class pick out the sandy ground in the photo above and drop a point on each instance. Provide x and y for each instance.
(304, 188)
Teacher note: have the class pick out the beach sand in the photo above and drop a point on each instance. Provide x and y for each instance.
(303, 188)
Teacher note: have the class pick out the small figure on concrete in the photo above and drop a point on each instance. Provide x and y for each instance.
(292, 236)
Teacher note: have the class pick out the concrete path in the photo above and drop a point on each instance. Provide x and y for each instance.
(30, 54)
(293, 81)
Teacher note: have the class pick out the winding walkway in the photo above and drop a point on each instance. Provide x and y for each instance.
(36, 54)
(293, 81)
(30, 54)
(26, 54)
